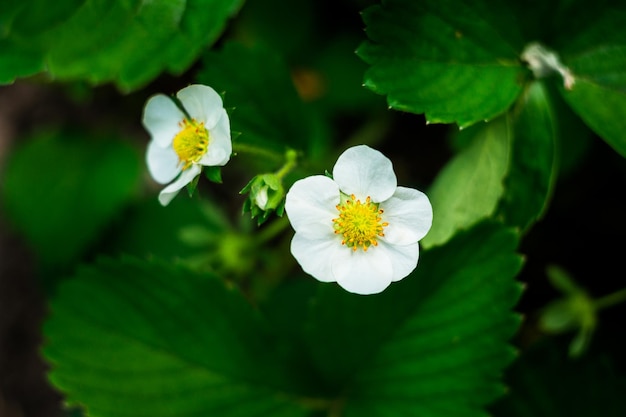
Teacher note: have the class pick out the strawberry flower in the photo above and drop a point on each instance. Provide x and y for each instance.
(358, 228)
(185, 138)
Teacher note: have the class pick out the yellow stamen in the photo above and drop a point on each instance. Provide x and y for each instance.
(359, 224)
(191, 143)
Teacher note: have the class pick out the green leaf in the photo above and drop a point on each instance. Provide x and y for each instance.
(128, 42)
(19, 57)
(597, 58)
(453, 61)
(150, 339)
(18, 62)
(32, 17)
(267, 109)
(574, 137)
(533, 169)
(601, 106)
(61, 190)
(109, 45)
(432, 344)
(546, 382)
(469, 187)
(201, 25)
(508, 170)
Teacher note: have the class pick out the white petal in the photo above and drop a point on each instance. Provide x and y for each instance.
(202, 103)
(362, 272)
(169, 192)
(314, 255)
(364, 171)
(310, 206)
(220, 145)
(161, 118)
(409, 215)
(261, 198)
(403, 258)
(162, 163)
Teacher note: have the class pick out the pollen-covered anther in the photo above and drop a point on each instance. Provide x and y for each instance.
(360, 224)
(191, 143)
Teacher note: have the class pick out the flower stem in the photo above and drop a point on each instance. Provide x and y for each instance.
(291, 158)
(256, 150)
(272, 230)
(611, 299)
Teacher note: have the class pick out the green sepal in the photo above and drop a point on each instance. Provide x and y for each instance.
(267, 188)
(193, 185)
(213, 174)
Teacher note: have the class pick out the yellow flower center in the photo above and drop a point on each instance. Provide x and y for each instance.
(359, 224)
(191, 142)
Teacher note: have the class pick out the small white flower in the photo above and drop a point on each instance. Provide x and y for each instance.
(184, 140)
(359, 228)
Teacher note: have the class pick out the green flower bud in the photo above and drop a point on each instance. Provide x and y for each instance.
(575, 311)
(266, 194)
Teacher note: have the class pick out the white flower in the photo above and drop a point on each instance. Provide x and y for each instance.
(359, 228)
(184, 140)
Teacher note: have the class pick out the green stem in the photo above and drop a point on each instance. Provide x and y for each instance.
(272, 230)
(255, 150)
(291, 157)
(611, 299)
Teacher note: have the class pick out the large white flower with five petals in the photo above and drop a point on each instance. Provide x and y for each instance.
(359, 228)
(185, 139)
